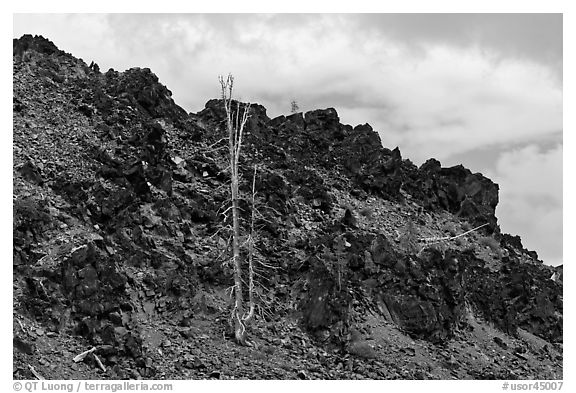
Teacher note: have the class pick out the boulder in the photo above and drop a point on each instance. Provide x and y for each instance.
(31, 172)
(458, 190)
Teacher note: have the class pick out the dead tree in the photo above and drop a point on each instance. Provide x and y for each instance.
(294, 106)
(235, 123)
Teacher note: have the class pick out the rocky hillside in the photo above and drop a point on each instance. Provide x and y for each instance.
(119, 244)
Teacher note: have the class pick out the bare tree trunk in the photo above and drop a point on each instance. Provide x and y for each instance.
(239, 328)
(235, 125)
(251, 304)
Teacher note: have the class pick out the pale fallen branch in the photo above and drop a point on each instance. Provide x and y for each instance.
(81, 357)
(36, 373)
(439, 239)
(99, 362)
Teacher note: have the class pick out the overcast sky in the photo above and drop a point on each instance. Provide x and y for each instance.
(484, 90)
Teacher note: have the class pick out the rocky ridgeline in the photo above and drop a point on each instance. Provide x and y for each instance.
(118, 200)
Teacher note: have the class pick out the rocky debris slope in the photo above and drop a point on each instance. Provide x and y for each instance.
(119, 244)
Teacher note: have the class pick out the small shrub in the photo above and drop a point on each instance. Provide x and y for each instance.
(294, 107)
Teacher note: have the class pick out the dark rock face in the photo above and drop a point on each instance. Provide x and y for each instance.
(375, 169)
(520, 295)
(515, 243)
(323, 121)
(84, 286)
(457, 190)
(312, 188)
(139, 86)
(35, 43)
(275, 190)
(427, 295)
(31, 219)
(322, 309)
(319, 138)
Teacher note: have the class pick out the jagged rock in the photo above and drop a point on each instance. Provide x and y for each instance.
(456, 189)
(323, 120)
(558, 275)
(514, 243)
(349, 219)
(133, 346)
(500, 342)
(36, 43)
(135, 175)
(31, 172)
(382, 251)
(115, 318)
(416, 316)
(312, 188)
(140, 86)
(274, 189)
(23, 346)
(325, 304)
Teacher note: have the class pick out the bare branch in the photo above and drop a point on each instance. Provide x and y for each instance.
(215, 143)
(36, 373)
(81, 356)
(435, 240)
(269, 266)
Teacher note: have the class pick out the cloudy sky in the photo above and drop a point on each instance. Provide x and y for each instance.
(484, 90)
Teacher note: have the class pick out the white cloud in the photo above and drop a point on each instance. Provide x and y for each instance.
(453, 100)
(531, 198)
